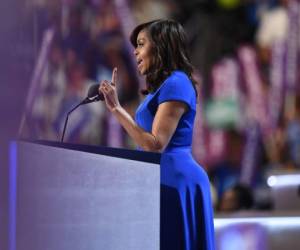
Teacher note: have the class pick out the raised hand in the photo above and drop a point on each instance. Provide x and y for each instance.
(109, 90)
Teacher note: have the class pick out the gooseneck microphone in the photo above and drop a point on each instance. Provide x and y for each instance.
(92, 96)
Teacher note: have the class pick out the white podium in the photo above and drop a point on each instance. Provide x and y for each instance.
(75, 197)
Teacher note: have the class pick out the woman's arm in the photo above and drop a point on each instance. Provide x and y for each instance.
(164, 125)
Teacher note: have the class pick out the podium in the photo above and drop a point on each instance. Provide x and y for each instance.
(65, 196)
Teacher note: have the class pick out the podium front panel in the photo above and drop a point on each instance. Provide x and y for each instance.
(67, 199)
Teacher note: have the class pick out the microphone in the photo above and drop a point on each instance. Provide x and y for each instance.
(92, 96)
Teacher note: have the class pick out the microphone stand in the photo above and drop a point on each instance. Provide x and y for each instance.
(89, 99)
(67, 118)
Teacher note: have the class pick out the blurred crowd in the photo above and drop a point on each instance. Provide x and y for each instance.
(246, 56)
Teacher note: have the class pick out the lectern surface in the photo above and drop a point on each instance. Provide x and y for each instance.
(67, 199)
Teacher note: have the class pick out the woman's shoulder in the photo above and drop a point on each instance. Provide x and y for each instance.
(178, 75)
(178, 87)
(179, 81)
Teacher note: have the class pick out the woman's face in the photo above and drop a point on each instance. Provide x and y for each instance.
(143, 53)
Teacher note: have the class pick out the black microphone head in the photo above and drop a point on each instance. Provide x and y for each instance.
(93, 94)
(93, 90)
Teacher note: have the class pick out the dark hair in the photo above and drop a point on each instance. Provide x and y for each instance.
(169, 50)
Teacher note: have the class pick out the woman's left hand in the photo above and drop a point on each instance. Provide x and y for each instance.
(109, 90)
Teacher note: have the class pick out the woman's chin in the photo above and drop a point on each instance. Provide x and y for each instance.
(141, 72)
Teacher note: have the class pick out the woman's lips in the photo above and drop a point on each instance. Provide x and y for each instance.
(140, 63)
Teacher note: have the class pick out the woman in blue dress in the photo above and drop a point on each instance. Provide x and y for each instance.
(164, 123)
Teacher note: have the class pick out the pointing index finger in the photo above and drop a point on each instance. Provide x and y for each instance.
(114, 77)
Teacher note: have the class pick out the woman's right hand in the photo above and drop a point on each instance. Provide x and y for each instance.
(109, 90)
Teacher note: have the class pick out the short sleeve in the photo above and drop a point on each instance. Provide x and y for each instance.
(177, 87)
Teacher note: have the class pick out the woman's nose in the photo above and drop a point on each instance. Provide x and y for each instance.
(135, 52)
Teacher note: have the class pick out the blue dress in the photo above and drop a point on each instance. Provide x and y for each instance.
(186, 210)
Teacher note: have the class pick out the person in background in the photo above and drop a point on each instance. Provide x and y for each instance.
(291, 137)
(273, 28)
(239, 197)
(164, 123)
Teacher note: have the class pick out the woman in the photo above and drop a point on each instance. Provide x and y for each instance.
(164, 123)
